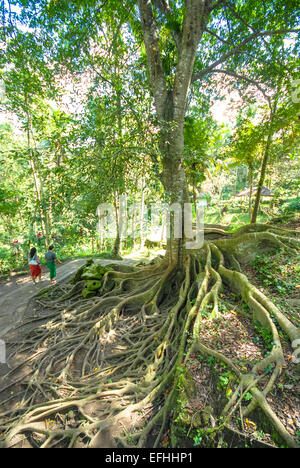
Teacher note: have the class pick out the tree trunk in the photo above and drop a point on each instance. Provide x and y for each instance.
(171, 103)
(43, 215)
(117, 244)
(262, 176)
(37, 182)
(124, 234)
(100, 240)
(251, 190)
(133, 229)
(175, 185)
(266, 153)
(142, 214)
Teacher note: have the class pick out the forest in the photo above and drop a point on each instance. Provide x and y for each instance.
(155, 145)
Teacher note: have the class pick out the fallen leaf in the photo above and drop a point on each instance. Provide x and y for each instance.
(250, 423)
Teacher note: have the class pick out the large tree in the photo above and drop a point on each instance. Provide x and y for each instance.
(240, 32)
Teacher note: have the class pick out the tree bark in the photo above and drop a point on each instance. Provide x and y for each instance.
(117, 244)
(251, 190)
(266, 152)
(133, 214)
(171, 102)
(37, 181)
(142, 214)
(38, 190)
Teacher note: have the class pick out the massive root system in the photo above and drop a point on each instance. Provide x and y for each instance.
(112, 369)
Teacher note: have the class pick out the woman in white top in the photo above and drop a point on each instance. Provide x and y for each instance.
(35, 266)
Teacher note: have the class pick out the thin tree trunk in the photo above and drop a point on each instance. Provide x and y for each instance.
(142, 213)
(195, 198)
(266, 154)
(163, 228)
(37, 182)
(50, 213)
(125, 226)
(133, 229)
(262, 175)
(100, 238)
(117, 244)
(251, 190)
(44, 223)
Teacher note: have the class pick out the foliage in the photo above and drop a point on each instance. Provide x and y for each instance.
(293, 206)
(278, 273)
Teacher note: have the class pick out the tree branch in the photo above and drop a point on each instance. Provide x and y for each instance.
(242, 20)
(237, 49)
(215, 5)
(244, 78)
(212, 33)
(195, 20)
(164, 7)
(157, 76)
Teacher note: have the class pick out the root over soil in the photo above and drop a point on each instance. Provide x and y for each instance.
(113, 369)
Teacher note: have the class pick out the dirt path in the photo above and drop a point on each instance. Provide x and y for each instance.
(16, 293)
(15, 280)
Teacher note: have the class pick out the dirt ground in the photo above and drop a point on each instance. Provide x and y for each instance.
(14, 280)
(235, 334)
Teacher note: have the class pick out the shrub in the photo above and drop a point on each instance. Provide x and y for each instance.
(293, 206)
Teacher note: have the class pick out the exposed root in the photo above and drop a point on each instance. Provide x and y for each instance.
(107, 371)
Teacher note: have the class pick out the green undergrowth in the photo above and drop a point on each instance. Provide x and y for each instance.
(92, 275)
(278, 274)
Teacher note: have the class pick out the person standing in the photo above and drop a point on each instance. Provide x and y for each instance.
(51, 260)
(35, 266)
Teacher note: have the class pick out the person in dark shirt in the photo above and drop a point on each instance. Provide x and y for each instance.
(51, 260)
